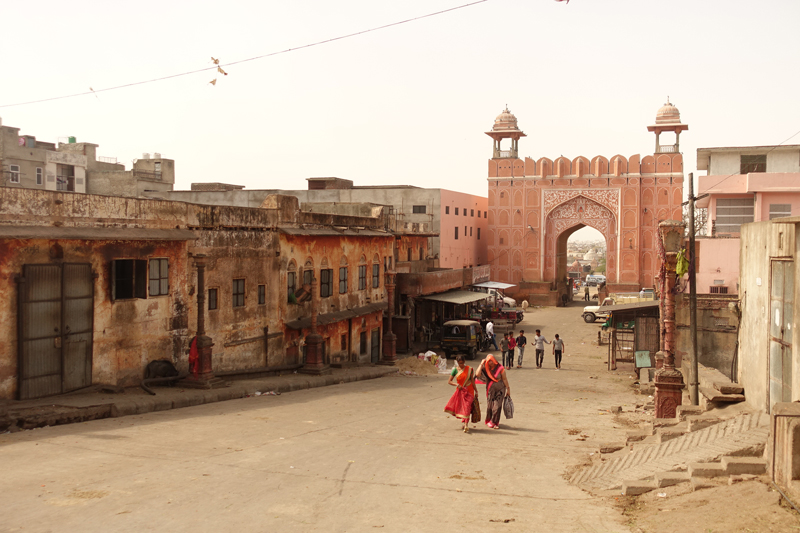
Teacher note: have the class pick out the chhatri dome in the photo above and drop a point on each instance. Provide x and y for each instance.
(505, 121)
(591, 255)
(668, 114)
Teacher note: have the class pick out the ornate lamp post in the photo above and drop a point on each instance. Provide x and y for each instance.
(315, 360)
(203, 377)
(389, 338)
(668, 380)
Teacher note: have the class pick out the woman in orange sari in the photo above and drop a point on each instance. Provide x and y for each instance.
(493, 374)
(460, 404)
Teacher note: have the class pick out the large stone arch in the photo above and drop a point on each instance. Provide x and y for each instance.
(567, 217)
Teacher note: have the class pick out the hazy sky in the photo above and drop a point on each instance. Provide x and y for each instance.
(405, 105)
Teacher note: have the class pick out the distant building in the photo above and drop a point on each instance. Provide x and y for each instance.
(74, 167)
(458, 220)
(744, 184)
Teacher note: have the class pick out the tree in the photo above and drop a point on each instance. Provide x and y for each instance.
(700, 219)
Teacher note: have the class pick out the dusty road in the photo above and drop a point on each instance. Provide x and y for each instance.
(377, 454)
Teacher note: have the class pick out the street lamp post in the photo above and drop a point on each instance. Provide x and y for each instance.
(669, 380)
(389, 338)
(203, 377)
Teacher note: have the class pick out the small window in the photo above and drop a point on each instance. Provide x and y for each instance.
(456, 228)
(376, 276)
(159, 277)
(409, 255)
(308, 276)
(291, 283)
(325, 282)
(128, 279)
(343, 342)
(502, 194)
(780, 210)
(212, 299)
(14, 170)
(343, 280)
(456, 211)
(465, 231)
(447, 210)
(470, 232)
(419, 209)
(421, 253)
(362, 349)
(472, 213)
(465, 211)
(39, 176)
(479, 233)
(362, 277)
(238, 293)
(501, 240)
(262, 294)
(753, 163)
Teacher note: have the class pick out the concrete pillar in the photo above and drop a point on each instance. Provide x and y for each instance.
(389, 338)
(315, 360)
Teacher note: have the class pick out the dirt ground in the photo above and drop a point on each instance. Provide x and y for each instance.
(747, 507)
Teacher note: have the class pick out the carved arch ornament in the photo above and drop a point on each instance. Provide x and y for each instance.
(578, 209)
(608, 198)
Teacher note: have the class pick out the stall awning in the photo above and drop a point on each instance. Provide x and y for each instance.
(494, 285)
(457, 297)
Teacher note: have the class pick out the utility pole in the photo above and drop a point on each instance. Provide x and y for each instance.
(694, 377)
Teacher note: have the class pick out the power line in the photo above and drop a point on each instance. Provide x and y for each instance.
(286, 51)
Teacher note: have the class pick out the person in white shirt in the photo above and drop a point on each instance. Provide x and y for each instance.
(558, 350)
(490, 334)
(539, 342)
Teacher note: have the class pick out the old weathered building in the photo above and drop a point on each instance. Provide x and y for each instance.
(74, 167)
(96, 287)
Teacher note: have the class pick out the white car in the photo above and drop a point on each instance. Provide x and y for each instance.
(495, 298)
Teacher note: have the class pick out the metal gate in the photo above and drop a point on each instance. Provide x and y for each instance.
(375, 353)
(55, 323)
(780, 332)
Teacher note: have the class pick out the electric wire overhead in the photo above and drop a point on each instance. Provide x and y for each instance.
(217, 66)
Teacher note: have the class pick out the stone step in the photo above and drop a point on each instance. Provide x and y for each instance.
(713, 395)
(667, 479)
(737, 466)
(696, 423)
(743, 435)
(688, 410)
(707, 470)
(637, 435)
(729, 388)
(634, 488)
(673, 432)
(701, 483)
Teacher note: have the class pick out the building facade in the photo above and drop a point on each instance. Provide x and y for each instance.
(536, 204)
(743, 184)
(74, 167)
(459, 221)
(97, 287)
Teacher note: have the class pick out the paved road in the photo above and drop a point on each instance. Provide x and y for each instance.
(365, 456)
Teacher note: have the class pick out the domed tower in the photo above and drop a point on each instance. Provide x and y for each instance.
(668, 118)
(505, 127)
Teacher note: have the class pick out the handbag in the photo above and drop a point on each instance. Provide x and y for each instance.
(508, 407)
(476, 410)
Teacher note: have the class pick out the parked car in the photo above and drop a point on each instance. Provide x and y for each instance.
(496, 299)
(462, 336)
(593, 312)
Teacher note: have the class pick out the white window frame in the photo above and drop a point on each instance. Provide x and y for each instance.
(14, 178)
(39, 176)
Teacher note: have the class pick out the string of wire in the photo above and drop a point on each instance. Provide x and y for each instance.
(271, 54)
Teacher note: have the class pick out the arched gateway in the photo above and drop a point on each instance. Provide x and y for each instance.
(535, 205)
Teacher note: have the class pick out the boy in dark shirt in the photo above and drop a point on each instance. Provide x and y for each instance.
(522, 341)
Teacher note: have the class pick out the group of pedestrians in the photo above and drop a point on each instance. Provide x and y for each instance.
(510, 345)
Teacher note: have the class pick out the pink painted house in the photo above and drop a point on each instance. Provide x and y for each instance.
(744, 184)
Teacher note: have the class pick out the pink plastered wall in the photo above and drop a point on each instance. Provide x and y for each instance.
(470, 249)
(718, 260)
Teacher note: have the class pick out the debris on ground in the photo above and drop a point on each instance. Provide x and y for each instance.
(411, 366)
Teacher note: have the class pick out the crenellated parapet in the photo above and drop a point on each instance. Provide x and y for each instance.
(582, 167)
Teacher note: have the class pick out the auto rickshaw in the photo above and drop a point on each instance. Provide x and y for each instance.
(462, 336)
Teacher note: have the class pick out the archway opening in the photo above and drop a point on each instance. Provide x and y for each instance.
(580, 252)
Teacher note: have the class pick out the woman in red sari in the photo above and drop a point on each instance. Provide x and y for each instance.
(493, 374)
(460, 404)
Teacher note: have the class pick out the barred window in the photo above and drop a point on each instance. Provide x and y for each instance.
(376, 276)
(262, 294)
(343, 280)
(419, 209)
(325, 282)
(731, 213)
(752, 163)
(362, 277)
(212, 299)
(780, 210)
(237, 299)
(159, 277)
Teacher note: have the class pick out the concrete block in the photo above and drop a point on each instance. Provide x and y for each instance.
(706, 470)
(697, 423)
(744, 465)
(647, 388)
(634, 488)
(713, 395)
(739, 478)
(700, 483)
(683, 411)
(611, 447)
(729, 388)
(637, 435)
(667, 479)
(666, 434)
(665, 422)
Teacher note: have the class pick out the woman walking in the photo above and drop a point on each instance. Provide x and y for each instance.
(493, 375)
(460, 404)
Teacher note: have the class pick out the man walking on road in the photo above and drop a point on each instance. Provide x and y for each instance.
(586, 293)
(490, 334)
(522, 341)
(539, 341)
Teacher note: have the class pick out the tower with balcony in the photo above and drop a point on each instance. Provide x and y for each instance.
(505, 127)
(668, 119)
